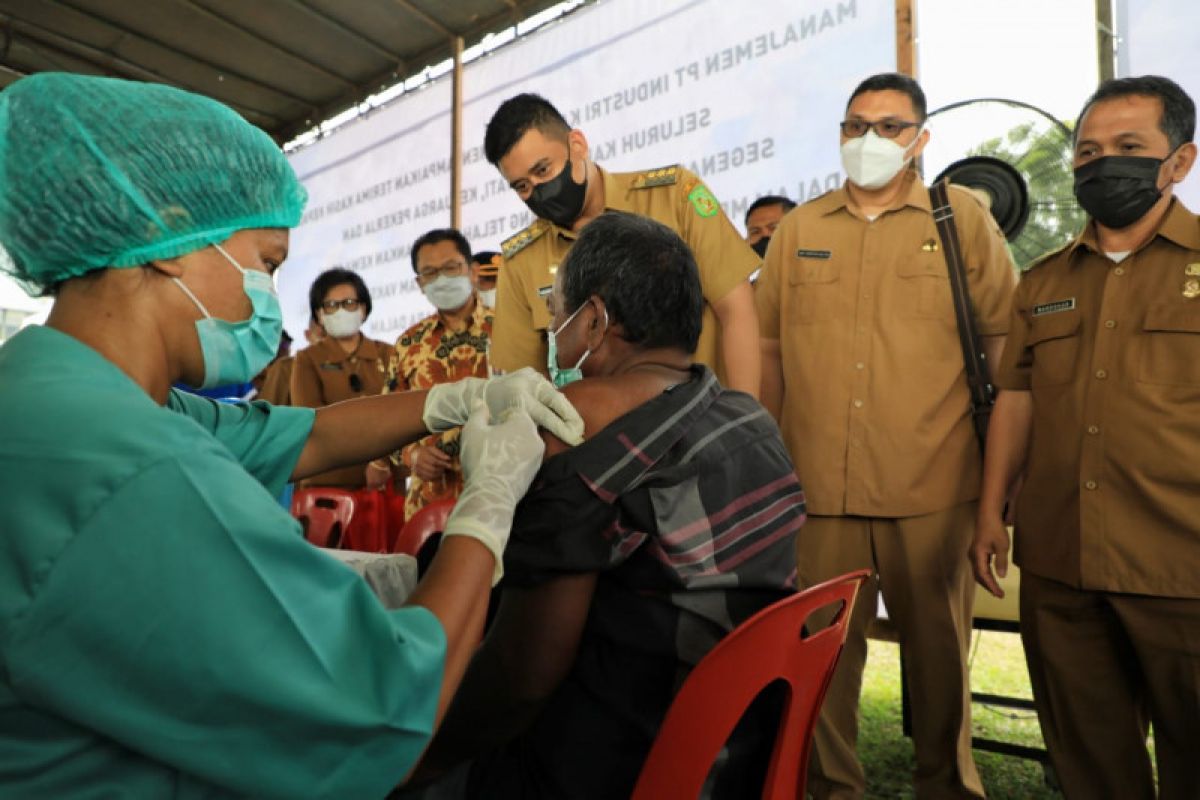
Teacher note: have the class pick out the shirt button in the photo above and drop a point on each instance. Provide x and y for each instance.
(1090, 485)
(1093, 430)
(860, 365)
(858, 403)
(1119, 271)
(1101, 374)
(1110, 323)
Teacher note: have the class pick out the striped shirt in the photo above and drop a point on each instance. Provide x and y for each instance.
(687, 508)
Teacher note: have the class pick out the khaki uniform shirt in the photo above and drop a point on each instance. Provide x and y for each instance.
(673, 196)
(876, 411)
(321, 376)
(1111, 353)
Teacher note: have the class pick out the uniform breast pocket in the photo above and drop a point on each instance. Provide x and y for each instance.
(924, 288)
(1054, 342)
(814, 285)
(1170, 347)
(539, 310)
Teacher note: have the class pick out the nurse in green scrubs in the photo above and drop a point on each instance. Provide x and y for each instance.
(165, 631)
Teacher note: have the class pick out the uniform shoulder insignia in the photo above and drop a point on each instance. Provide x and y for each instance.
(663, 176)
(519, 241)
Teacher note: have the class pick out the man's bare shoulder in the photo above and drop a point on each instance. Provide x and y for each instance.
(599, 401)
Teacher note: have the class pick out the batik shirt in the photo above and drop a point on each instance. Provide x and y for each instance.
(687, 508)
(427, 354)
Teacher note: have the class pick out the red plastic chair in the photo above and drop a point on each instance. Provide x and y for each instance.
(368, 529)
(767, 647)
(425, 523)
(324, 513)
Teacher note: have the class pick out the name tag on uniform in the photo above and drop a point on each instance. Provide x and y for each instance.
(330, 365)
(1054, 308)
(545, 291)
(824, 255)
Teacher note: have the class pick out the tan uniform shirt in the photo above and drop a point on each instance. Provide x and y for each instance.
(876, 411)
(1111, 353)
(673, 196)
(321, 376)
(276, 386)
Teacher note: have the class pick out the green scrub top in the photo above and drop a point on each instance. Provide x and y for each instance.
(165, 630)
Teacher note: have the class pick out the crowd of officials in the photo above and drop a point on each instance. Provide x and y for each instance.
(686, 381)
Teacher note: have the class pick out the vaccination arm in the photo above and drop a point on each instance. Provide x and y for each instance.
(371, 427)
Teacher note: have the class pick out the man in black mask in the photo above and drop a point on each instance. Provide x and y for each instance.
(762, 218)
(547, 164)
(1099, 409)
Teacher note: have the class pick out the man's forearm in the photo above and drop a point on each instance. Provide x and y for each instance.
(360, 430)
(1007, 448)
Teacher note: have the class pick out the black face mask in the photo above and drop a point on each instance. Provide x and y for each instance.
(559, 199)
(760, 246)
(1117, 191)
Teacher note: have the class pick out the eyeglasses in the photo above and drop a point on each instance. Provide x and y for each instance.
(451, 269)
(884, 128)
(350, 304)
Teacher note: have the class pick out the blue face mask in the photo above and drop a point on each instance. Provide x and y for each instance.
(234, 352)
(561, 377)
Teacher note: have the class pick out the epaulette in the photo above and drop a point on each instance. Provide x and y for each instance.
(518, 242)
(663, 176)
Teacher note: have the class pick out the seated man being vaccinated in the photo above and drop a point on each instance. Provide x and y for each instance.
(634, 553)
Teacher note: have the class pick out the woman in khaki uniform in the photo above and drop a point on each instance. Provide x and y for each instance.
(344, 364)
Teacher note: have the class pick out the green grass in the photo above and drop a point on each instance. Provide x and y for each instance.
(998, 668)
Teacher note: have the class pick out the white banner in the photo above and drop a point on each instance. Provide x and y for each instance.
(1158, 37)
(750, 101)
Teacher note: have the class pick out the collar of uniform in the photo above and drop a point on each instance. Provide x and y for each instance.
(616, 189)
(1178, 225)
(330, 352)
(914, 194)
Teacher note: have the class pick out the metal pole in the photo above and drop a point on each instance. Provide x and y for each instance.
(906, 37)
(456, 137)
(1104, 39)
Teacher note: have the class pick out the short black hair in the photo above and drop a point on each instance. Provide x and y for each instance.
(1178, 120)
(514, 117)
(336, 277)
(645, 274)
(441, 235)
(896, 82)
(770, 200)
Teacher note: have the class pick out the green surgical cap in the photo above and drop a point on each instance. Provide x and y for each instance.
(99, 172)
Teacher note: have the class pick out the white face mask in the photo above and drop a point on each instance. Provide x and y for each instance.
(488, 296)
(342, 323)
(448, 294)
(871, 161)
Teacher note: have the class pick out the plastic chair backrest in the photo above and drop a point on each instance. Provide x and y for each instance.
(324, 513)
(767, 647)
(425, 523)
(368, 529)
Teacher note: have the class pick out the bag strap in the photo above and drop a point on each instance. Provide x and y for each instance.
(979, 380)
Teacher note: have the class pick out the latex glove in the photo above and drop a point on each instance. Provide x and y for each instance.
(498, 461)
(448, 404)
